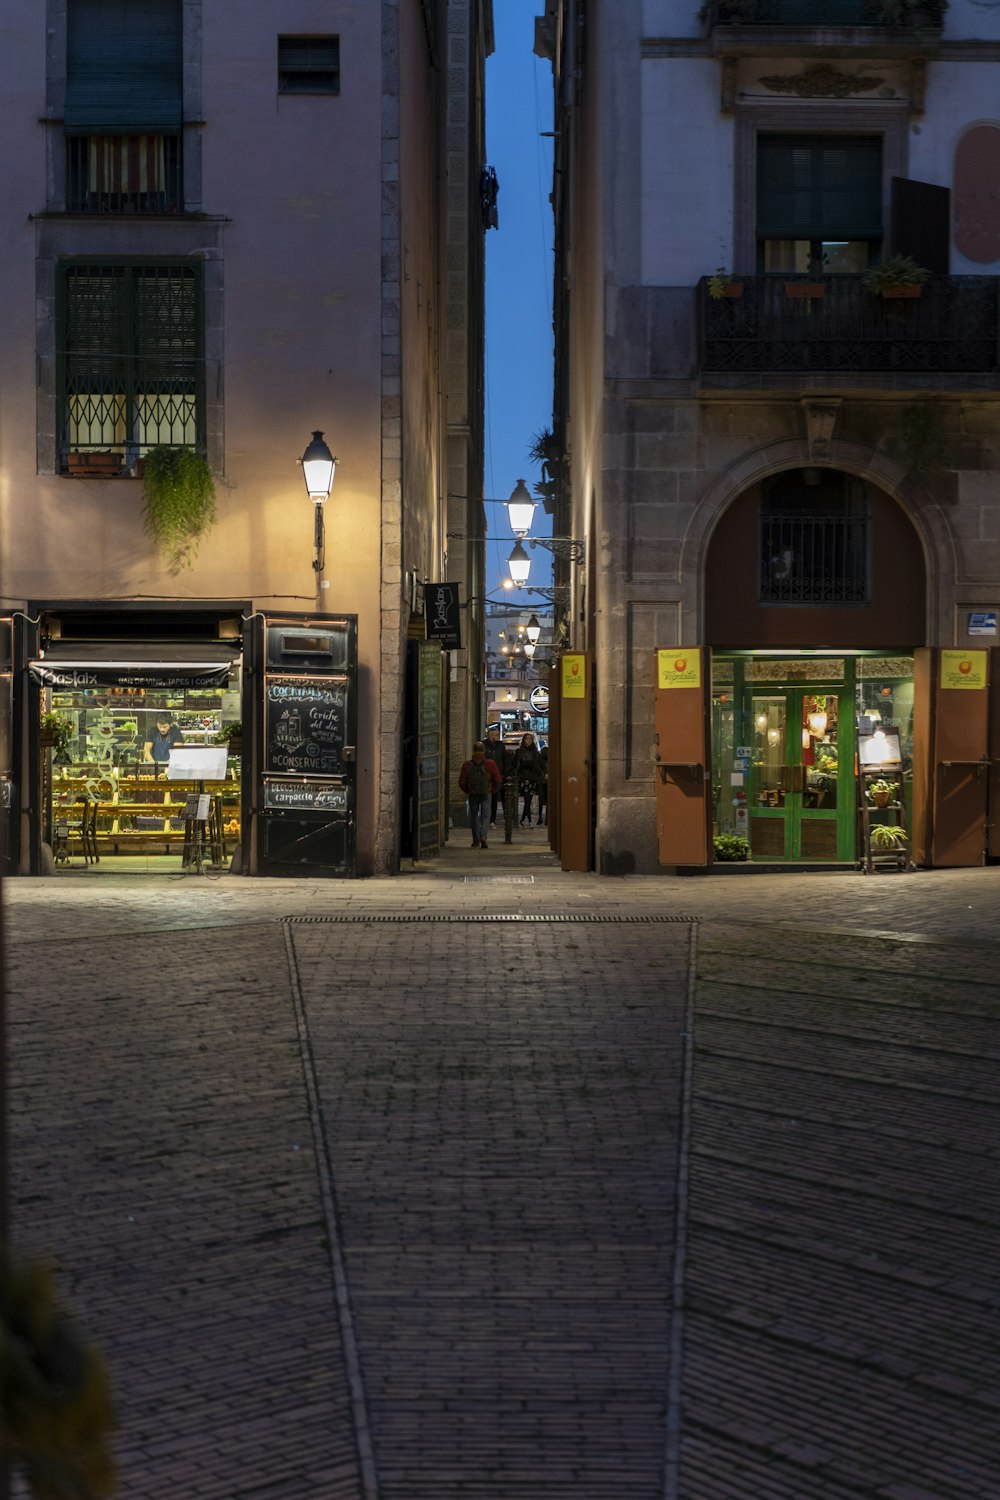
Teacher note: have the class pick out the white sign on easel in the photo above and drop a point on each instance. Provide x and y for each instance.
(197, 763)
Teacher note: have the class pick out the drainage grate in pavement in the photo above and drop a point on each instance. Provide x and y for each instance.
(499, 880)
(477, 916)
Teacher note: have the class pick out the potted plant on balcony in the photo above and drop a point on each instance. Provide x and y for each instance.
(808, 289)
(896, 276)
(722, 285)
(179, 494)
(726, 12)
(909, 12)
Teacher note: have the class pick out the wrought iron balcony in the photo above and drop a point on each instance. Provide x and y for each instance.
(124, 174)
(907, 14)
(952, 325)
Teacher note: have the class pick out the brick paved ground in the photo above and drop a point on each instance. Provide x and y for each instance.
(337, 1182)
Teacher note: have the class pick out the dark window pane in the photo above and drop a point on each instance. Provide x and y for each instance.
(819, 187)
(308, 65)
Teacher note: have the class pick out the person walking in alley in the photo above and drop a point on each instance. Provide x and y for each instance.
(543, 786)
(479, 778)
(495, 753)
(529, 769)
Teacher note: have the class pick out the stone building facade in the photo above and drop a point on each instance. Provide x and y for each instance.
(293, 207)
(772, 459)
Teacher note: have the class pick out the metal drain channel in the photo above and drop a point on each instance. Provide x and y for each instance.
(476, 916)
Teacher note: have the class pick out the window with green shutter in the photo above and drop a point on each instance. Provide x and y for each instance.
(130, 357)
(819, 202)
(124, 106)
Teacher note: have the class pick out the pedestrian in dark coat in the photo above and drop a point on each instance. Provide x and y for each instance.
(528, 766)
(495, 752)
(479, 778)
(543, 786)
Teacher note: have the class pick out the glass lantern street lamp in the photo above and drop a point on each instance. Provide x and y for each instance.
(520, 509)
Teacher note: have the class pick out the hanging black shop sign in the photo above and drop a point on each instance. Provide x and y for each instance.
(442, 615)
(99, 674)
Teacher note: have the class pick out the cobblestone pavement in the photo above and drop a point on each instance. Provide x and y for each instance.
(491, 1181)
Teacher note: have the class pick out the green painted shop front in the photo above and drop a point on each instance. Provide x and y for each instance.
(784, 743)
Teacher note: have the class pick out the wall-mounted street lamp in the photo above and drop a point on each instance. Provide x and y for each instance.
(520, 509)
(519, 564)
(534, 630)
(318, 469)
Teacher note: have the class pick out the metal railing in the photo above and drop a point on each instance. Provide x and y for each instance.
(952, 325)
(813, 559)
(907, 15)
(124, 174)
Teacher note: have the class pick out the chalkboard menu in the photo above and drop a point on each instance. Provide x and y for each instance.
(305, 724)
(313, 796)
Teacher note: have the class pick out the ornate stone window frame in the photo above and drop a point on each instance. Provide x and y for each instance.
(800, 117)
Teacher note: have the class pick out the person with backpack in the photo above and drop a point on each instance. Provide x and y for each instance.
(479, 779)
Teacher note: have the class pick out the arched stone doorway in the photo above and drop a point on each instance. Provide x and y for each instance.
(815, 600)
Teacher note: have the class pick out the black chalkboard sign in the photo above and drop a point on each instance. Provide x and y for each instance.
(310, 796)
(305, 725)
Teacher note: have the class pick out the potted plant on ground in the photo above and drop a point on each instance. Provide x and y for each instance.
(722, 285)
(887, 838)
(179, 494)
(896, 276)
(731, 848)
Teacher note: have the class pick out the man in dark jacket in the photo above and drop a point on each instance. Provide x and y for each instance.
(479, 778)
(495, 752)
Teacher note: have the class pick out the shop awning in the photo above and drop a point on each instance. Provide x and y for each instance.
(79, 664)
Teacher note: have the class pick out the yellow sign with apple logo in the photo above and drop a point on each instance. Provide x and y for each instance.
(679, 668)
(963, 669)
(574, 676)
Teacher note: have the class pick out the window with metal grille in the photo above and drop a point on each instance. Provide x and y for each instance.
(130, 358)
(309, 65)
(814, 539)
(124, 106)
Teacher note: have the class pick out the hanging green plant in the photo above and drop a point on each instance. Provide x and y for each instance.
(56, 1415)
(179, 496)
(56, 731)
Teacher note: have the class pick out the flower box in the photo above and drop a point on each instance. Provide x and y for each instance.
(94, 465)
(805, 289)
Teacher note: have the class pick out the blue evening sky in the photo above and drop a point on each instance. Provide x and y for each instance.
(518, 279)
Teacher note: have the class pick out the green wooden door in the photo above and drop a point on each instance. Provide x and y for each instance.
(802, 774)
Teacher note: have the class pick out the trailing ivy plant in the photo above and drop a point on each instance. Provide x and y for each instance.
(179, 494)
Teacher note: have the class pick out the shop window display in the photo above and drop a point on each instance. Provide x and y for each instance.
(105, 761)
